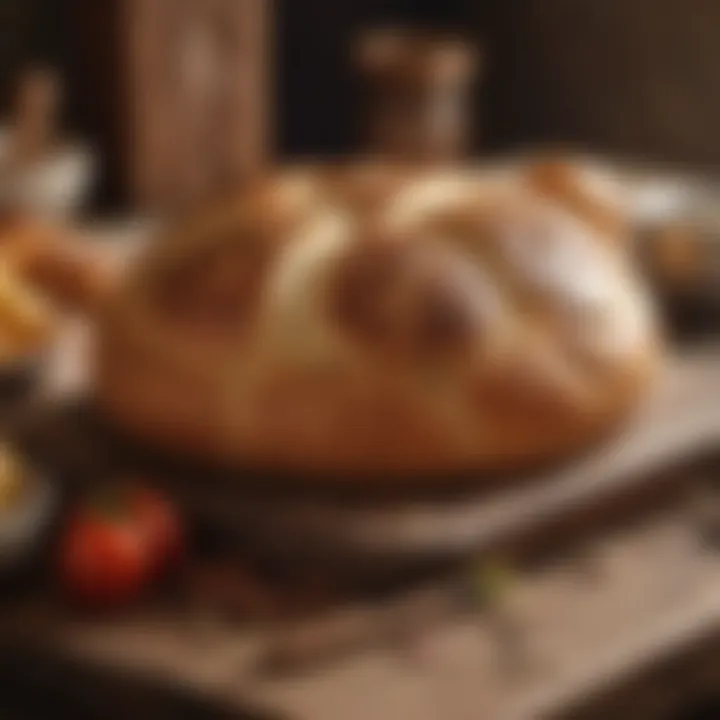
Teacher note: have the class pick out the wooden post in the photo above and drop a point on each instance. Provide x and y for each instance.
(183, 88)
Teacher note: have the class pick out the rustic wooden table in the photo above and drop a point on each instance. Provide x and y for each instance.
(557, 637)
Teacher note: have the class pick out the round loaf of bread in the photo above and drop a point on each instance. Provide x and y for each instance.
(380, 322)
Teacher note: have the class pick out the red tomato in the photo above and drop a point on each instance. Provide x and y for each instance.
(112, 550)
(159, 522)
(103, 559)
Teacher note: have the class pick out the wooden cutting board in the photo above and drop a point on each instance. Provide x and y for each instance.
(678, 424)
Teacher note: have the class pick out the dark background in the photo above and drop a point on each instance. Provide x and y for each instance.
(633, 76)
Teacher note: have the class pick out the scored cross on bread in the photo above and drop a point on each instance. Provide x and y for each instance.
(376, 321)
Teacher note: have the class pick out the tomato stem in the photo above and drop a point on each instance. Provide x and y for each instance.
(110, 500)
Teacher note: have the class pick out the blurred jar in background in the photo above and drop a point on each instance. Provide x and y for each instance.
(418, 87)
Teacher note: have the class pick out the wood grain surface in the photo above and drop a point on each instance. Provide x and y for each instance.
(554, 640)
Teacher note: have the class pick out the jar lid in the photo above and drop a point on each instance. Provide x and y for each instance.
(407, 54)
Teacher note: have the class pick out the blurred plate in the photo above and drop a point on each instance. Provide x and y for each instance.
(676, 217)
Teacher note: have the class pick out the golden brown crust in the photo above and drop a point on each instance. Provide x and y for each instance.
(448, 324)
(579, 192)
(402, 297)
